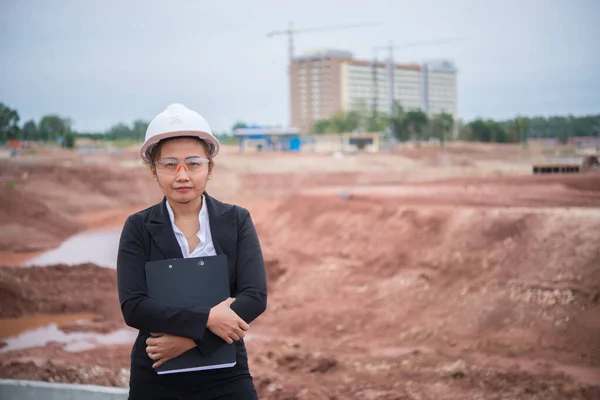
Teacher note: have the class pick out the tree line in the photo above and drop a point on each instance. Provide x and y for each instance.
(55, 128)
(416, 125)
(52, 127)
(48, 128)
(405, 125)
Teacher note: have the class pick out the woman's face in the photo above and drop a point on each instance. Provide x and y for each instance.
(178, 182)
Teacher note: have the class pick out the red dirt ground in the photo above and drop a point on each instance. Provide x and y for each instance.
(462, 288)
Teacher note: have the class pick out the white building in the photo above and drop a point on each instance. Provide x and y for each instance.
(325, 82)
(440, 93)
(367, 85)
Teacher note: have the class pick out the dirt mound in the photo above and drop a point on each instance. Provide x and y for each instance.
(40, 199)
(287, 370)
(29, 225)
(281, 184)
(274, 272)
(527, 191)
(74, 186)
(501, 281)
(59, 289)
(589, 181)
(51, 372)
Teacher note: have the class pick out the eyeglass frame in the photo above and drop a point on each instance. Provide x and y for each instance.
(180, 163)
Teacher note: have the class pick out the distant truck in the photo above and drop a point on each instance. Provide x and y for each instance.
(588, 163)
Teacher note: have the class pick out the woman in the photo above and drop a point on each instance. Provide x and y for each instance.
(179, 147)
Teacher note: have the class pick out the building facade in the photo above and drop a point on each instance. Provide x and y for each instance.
(326, 82)
(439, 90)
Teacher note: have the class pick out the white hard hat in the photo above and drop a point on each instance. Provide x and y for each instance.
(178, 120)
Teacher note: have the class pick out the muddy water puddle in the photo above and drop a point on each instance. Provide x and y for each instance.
(40, 330)
(10, 327)
(11, 259)
(97, 246)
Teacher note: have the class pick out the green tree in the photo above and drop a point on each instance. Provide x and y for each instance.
(512, 132)
(522, 125)
(415, 123)
(139, 129)
(69, 142)
(51, 127)
(480, 131)
(352, 122)
(517, 130)
(30, 130)
(119, 131)
(441, 126)
(9, 120)
(239, 125)
(398, 123)
(321, 126)
(344, 122)
(377, 122)
(497, 132)
(488, 131)
(464, 131)
(337, 124)
(562, 127)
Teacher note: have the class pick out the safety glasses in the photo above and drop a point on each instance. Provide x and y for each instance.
(171, 166)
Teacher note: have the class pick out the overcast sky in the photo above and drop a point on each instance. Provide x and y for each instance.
(102, 62)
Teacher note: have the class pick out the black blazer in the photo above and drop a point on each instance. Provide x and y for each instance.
(148, 236)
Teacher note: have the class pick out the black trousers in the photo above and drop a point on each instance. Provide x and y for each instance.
(238, 389)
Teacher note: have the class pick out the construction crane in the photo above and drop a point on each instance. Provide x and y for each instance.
(291, 32)
(390, 48)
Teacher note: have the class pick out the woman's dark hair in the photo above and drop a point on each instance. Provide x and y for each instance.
(154, 152)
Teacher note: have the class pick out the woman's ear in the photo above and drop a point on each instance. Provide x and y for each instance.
(210, 168)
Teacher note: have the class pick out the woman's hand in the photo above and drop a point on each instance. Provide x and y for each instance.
(225, 323)
(163, 347)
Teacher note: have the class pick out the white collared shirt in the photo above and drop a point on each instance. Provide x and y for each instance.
(205, 247)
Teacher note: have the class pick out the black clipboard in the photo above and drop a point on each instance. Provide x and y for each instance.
(192, 282)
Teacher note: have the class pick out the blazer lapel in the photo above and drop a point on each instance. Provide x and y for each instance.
(161, 230)
(219, 226)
